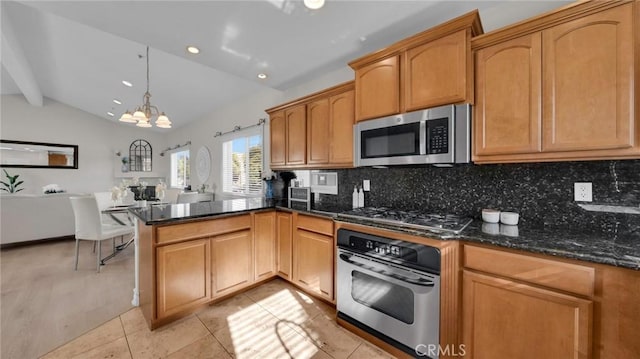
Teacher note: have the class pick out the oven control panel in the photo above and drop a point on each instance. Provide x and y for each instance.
(414, 255)
(382, 248)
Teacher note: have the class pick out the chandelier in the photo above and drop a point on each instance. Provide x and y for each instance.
(142, 115)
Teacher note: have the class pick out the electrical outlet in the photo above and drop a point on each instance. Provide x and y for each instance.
(582, 191)
(366, 185)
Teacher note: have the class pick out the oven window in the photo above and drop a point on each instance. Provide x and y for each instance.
(401, 140)
(386, 297)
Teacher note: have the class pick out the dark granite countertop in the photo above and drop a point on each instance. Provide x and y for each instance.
(168, 213)
(617, 248)
(621, 249)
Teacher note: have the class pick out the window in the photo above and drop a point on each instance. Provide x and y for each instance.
(242, 165)
(180, 169)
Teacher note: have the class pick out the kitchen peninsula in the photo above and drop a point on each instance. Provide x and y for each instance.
(190, 254)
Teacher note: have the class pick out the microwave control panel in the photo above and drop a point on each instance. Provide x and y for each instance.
(437, 136)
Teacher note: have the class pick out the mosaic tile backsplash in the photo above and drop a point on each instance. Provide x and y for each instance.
(541, 192)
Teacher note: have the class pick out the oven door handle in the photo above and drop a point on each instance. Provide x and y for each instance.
(420, 281)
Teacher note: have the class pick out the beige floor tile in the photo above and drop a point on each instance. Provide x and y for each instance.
(219, 315)
(288, 303)
(167, 339)
(99, 336)
(328, 336)
(369, 351)
(133, 320)
(118, 349)
(204, 348)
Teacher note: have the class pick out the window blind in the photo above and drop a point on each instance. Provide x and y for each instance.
(242, 165)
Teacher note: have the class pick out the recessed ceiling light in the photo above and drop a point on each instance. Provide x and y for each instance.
(314, 4)
(262, 76)
(127, 83)
(110, 113)
(193, 50)
(117, 102)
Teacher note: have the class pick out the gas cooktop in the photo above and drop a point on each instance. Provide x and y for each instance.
(414, 219)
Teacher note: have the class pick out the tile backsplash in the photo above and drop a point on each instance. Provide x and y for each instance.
(541, 192)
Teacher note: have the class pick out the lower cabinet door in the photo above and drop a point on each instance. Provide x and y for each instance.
(183, 276)
(264, 232)
(232, 262)
(508, 319)
(284, 243)
(313, 262)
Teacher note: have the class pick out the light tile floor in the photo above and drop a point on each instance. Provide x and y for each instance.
(274, 320)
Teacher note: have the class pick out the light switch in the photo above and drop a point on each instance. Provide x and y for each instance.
(366, 185)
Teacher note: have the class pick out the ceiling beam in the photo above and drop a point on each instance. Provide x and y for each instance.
(16, 63)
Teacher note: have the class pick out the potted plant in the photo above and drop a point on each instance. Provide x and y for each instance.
(125, 164)
(13, 183)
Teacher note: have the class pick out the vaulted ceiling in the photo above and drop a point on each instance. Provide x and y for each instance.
(78, 52)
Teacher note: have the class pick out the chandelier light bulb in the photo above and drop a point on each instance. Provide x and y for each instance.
(127, 117)
(145, 124)
(314, 4)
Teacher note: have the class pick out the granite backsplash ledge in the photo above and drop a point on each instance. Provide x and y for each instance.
(541, 192)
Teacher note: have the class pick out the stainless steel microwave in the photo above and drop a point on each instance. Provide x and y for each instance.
(438, 135)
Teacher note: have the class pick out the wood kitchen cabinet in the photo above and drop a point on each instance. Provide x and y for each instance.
(315, 131)
(429, 69)
(378, 88)
(296, 143)
(558, 87)
(313, 255)
(508, 319)
(278, 139)
(232, 257)
(264, 231)
(183, 275)
(508, 97)
(284, 242)
(330, 130)
(288, 137)
(519, 306)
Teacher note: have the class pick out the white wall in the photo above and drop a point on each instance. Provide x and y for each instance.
(98, 141)
(243, 113)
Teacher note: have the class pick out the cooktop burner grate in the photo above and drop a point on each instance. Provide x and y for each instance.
(415, 219)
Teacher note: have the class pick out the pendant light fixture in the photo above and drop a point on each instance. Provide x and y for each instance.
(143, 114)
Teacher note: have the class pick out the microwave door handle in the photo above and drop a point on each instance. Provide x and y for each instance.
(421, 282)
(423, 137)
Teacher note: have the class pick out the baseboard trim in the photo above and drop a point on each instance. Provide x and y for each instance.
(37, 241)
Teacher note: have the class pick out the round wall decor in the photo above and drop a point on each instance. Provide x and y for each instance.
(203, 164)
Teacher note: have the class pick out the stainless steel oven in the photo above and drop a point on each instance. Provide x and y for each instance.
(389, 288)
(438, 135)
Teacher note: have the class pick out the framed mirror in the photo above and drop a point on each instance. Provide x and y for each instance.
(38, 155)
(140, 156)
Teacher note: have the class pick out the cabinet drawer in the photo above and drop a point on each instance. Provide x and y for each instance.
(315, 224)
(179, 232)
(553, 274)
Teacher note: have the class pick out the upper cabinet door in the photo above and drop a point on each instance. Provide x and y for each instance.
(318, 132)
(436, 72)
(378, 89)
(278, 139)
(587, 72)
(342, 119)
(296, 121)
(507, 113)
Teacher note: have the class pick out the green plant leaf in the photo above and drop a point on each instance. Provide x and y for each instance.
(17, 184)
(5, 183)
(4, 189)
(19, 190)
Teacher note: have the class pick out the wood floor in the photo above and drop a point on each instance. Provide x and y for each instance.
(44, 303)
(274, 320)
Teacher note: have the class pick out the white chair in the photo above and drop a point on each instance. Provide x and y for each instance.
(90, 227)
